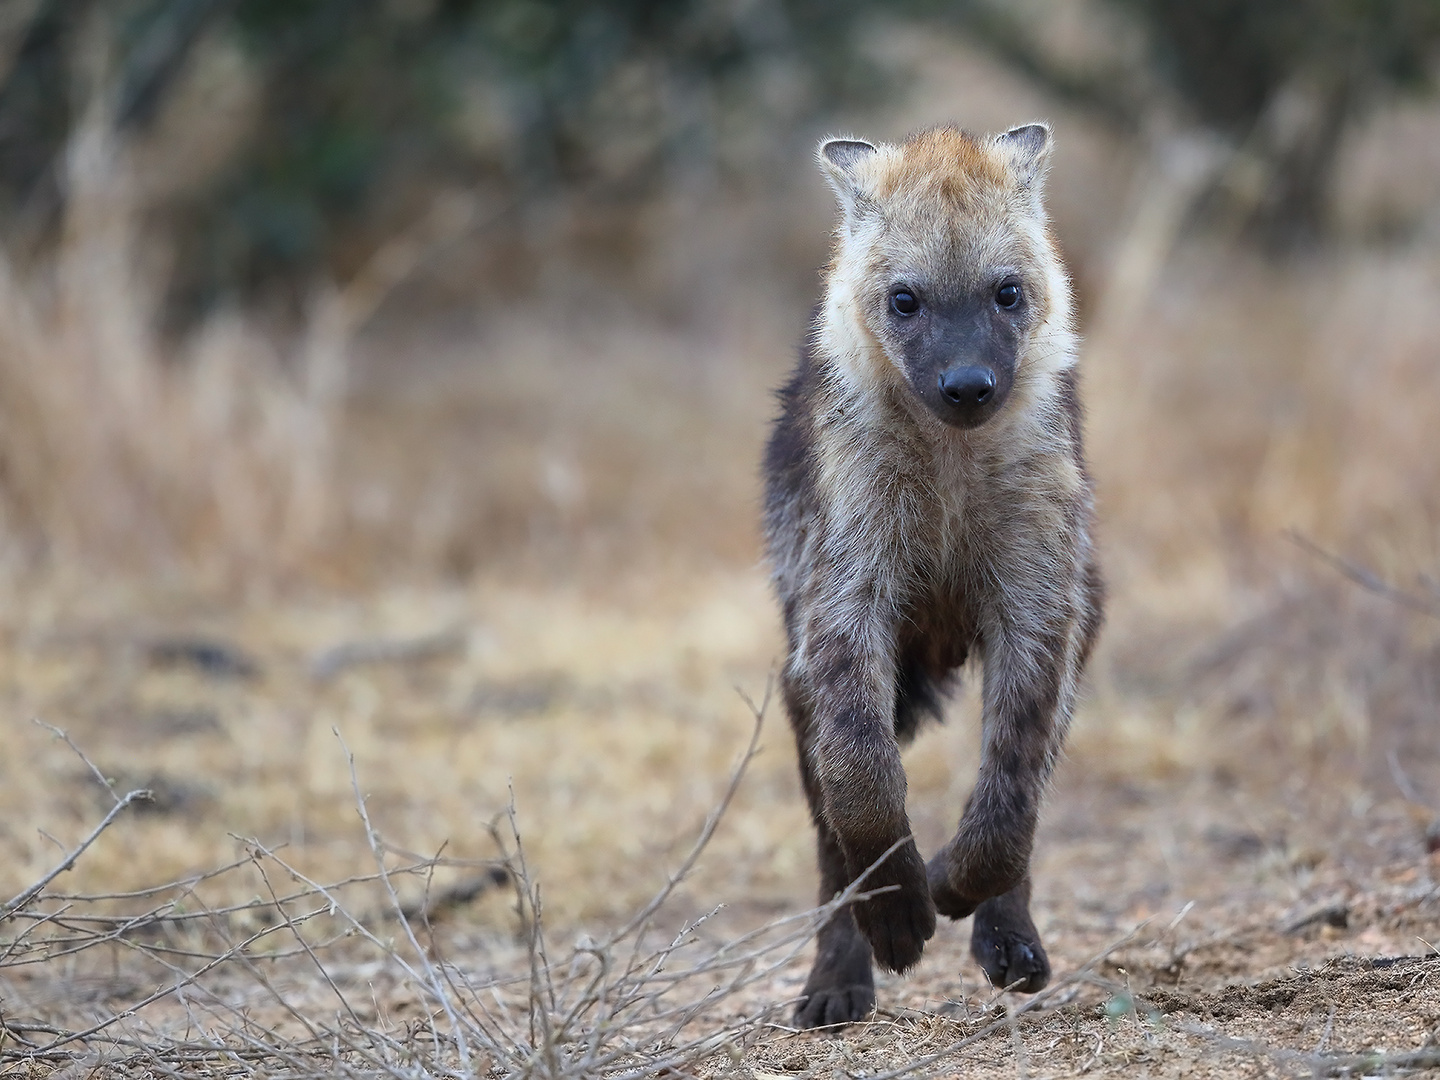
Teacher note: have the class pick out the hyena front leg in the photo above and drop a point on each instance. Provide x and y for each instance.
(859, 784)
(1028, 693)
(1006, 944)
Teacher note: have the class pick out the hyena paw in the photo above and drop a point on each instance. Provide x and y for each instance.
(841, 986)
(1012, 956)
(958, 885)
(833, 1006)
(948, 901)
(897, 923)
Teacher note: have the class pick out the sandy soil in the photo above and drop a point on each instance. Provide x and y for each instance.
(530, 576)
(1250, 910)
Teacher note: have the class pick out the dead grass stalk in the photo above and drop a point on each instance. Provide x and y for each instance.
(623, 1005)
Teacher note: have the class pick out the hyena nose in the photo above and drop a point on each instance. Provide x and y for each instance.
(968, 386)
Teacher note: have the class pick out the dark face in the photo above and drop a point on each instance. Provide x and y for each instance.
(959, 349)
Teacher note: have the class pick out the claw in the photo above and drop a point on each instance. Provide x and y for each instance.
(836, 1006)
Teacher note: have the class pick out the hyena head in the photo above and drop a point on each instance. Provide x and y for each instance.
(944, 261)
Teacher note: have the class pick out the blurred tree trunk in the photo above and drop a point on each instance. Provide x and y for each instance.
(1299, 138)
(1280, 80)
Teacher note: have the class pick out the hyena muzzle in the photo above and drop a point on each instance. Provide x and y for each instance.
(927, 501)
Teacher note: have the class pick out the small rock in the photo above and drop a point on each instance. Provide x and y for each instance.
(217, 659)
(1235, 844)
(1332, 913)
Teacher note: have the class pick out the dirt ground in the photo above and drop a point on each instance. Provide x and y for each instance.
(1212, 907)
(1236, 871)
(530, 577)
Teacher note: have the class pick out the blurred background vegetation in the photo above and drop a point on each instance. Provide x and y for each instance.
(214, 211)
(456, 322)
(300, 134)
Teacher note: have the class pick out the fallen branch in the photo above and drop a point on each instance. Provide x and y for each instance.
(337, 658)
(1368, 1063)
(1366, 578)
(68, 862)
(1334, 913)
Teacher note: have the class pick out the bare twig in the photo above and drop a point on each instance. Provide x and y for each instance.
(68, 862)
(1334, 913)
(105, 781)
(712, 821)
(457, 895)
(1402, 779)
(1375, 1062)
(1366, 578)
(337, 658)
(612, 1008)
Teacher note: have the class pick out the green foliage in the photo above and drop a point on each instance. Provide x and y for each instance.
(35, 111)
(1229, 58)
(1287, 78)
(361, 107)
(362, 100)
(1281, 80)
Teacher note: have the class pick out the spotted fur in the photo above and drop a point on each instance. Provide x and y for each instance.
(902, 545)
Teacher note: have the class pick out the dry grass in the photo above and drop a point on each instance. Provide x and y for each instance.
(257, 968)
(621, 1005)
(518, 565)
(113, 450)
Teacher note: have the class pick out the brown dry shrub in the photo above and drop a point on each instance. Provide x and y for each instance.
(115, 451)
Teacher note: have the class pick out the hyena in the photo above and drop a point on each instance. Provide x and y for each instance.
(926, 501)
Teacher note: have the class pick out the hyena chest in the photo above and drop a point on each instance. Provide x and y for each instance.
(940, 625)
(942, 611)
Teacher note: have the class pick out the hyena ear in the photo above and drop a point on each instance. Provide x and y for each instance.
(1027, 148)
(839, 160)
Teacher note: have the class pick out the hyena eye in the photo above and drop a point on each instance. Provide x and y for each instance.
(1009, 295)
(904, 302)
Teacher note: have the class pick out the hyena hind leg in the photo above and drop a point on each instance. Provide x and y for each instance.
(841, 986)
(1006, 944)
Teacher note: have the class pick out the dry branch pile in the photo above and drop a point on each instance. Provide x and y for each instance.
(237, 983)
(308, 979)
